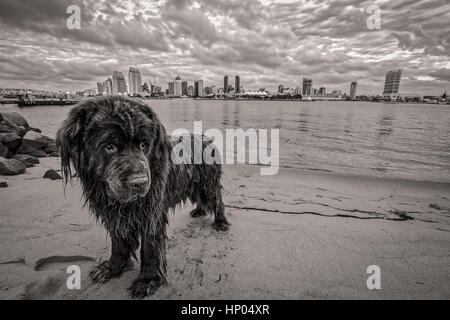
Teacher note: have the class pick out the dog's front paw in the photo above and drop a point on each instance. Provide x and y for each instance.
(105, 271)
(198, 212)
(142, 287)
(221, 225)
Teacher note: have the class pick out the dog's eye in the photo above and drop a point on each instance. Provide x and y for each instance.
(110, 148)
(143, 145)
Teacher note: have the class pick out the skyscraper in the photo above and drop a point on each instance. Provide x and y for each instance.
(171, 87)
(353, 88)
(177, 87)
(392, 84)
(225, 84)
(134, 81)
(307, 87)
(108, 86)
(195, 88)
(100, 88)
(237, 84)
(118, 83)
(184, 88)
(200, 88)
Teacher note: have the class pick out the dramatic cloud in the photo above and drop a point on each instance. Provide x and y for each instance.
(266, 42)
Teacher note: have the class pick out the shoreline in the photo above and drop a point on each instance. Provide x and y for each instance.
(295, 235)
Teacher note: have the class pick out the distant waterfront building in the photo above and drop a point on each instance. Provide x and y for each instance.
(134, 81)
(213, 90)
(322, 91)
(392, 84)
(195, 88)
(184, 88)
(237, 84)
(307, 87)
(177, 87)
(107, 85)
(353, 88)
(118, 83)
(200, 88)
(225, 84)
(190, 91)
(171, 88)
(100, 88)
(280, 88)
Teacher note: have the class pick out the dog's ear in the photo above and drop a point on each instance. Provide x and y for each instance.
(69, 140)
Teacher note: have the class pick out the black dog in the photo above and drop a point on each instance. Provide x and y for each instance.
(122, 156)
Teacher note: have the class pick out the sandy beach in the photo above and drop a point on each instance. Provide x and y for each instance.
(296, 235)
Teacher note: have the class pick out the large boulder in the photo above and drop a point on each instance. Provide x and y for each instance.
(11, 140)
(11, 166)
(27, 149)
(27, 160)
(3, 150)
(17, 119)
(10, 127)
(36, 140)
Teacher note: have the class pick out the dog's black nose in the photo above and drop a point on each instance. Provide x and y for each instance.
(137, 179)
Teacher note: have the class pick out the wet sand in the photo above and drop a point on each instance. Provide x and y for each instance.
(296, 235)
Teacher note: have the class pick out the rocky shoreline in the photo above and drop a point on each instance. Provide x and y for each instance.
(21, 146)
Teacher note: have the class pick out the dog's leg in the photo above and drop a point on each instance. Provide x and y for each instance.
(220, 222)
(153, 265)
(115, 266)
(199, 211)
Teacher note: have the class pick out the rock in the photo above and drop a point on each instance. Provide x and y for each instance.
(55, 154)
(3, 150)
(17, 119)
(11, 166)
(35, 130)
(11, 140)
(35, 140)
(50, 150)
(3, 184)
(27, 160)
(52, 174)
(9, 127)
(26, 149)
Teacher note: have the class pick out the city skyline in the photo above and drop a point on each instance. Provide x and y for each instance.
(268, 43)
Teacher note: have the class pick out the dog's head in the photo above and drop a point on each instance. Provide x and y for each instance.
(112, 142)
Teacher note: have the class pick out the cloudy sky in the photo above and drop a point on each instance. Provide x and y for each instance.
(266, 42)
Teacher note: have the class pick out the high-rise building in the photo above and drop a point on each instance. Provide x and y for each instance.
(195, 88)
(225, 84)
(107, 85)
(184, 88)
(200, 88)
(100, 88)
(190, 91)
(237, 84)
(353, 88)
(171, 87)
(118, 83)
(134, 81)
(307, 87)
(177, 87)
(392, 84)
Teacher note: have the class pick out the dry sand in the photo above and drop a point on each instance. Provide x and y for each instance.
(296, 235)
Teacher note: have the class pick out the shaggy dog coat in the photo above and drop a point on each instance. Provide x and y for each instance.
(122, 156)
